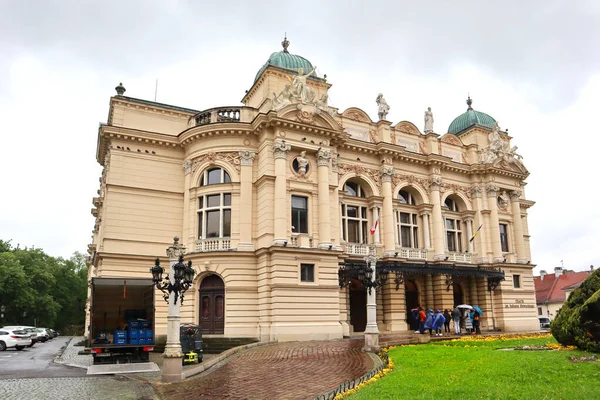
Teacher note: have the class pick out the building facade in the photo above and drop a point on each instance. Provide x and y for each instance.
(279, 201)
(552, 290)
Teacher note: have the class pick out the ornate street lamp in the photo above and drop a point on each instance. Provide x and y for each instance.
(183, 274)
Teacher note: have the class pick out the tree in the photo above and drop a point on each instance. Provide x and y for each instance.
(578, 321)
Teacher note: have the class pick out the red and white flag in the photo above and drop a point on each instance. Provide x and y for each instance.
(374, 227)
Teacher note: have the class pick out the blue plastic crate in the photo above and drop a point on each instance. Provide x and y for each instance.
(120, 341)
(144, 324)
(134, 341)
(134, 333)
(120, 335)
(149, 334)
(133, 324)
(142, 340)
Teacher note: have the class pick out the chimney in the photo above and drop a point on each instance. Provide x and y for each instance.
(542, 274)
(558, 271)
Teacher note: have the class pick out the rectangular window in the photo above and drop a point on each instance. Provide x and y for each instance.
(299, 214)
(355, 227)
(307, 272)
(214, 216)
(517, 281)
(407, 230)
(453, 235)
(539, 310)
(504, 237)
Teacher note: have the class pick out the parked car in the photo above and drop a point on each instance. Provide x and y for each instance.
(53, 332)
(50, 332)
(43, 334)
(29, 329)
(10, 338)
(544, 323)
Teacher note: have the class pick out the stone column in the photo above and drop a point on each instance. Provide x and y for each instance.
(492, 194)
(323, 157)
(480, 240)
(188, 235)
(518, 226)
(389, 242)
(280, 152)
(172, 368)
(429, 292)
(426, 237)
(246, 209)
(371, 331)
(439, 247)
(473, 296)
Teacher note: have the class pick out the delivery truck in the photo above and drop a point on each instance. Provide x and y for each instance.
(122, 321)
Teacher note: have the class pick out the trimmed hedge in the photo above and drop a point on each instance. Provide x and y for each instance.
(578, 321)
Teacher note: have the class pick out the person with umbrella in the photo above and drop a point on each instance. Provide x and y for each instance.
(466, 317)
(477, 313)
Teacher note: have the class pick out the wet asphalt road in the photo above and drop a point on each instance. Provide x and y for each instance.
(37, 361)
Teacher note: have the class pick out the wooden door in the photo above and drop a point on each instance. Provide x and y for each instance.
(458, 294)
(412, 301)
(212, 305)
(358, 306)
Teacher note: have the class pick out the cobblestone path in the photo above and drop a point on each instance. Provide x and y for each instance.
(299, 370)
(89, 388)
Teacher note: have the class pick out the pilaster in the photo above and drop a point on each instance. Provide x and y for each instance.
(323, 160)
(246, 195)
(280, 153)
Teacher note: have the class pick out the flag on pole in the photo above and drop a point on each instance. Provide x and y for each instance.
(475, 234)
(374, 227)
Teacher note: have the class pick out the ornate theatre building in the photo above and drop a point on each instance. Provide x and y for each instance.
(280, 201)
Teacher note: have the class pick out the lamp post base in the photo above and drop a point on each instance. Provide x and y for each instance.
(172, 370)
(371, 342)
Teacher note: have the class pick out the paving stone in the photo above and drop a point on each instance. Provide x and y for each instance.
(298, 370)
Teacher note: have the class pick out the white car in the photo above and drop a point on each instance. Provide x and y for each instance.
(33, 333)
(13, 338)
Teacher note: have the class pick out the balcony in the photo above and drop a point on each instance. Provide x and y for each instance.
(410, 253)
(223, 114)
(213, 244)
(459, 257)
(301, 240)
(357, 249)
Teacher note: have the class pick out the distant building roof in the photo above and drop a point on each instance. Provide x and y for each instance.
(551, 289)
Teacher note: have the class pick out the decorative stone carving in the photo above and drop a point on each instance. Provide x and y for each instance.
(503, 200)
(499, 154)
(456, 188)
(335, 160)
(302, 163)
(323, 157)
(384, 108)
(492, 189)
(373, 136)
(515, 195)
(187, 167)
(465, 158)
(422, 148)
(408, 128)
(355, 115)
(428, 121)
(246, 157)
(393, 136)
(411, 179)
(230, 157)
(360, 170)
(435, 183)
(476, 191)
(176, 249)
(280, 149)
(451, 139)
(305, 117)
(386, 173)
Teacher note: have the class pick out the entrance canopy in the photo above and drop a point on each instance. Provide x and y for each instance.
(353, 269)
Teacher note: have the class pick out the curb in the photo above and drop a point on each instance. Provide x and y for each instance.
(59, 356)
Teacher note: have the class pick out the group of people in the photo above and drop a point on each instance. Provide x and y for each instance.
(462, 318)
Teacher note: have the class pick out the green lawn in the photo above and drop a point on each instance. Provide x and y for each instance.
(477, 370)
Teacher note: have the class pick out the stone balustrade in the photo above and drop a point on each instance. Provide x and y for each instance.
(358, 249)
(410, 253)
(213, 244)
(223, 114)
(460, 257)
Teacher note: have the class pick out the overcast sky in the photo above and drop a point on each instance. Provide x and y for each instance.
(533, 65)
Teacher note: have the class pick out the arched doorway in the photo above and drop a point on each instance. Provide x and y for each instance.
(459, 298)
(412, 301)
(212, 305)
(358, 306)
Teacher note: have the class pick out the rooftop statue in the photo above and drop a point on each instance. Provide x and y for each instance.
(499, 153)
(428, 121)
(384, 108)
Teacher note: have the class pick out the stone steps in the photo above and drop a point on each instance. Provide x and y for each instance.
(216, 345)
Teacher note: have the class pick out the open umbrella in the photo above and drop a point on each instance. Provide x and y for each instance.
(478, 310)
(465, 306)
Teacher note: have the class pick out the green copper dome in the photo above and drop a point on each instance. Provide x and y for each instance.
(470, 119)
(284, 59)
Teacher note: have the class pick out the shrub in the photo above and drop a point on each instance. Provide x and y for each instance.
(578, 321)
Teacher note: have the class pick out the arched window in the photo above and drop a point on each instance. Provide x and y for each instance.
(214, 176)
(454, 226)
(354, 189)
(406, 198)
(407, 226)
